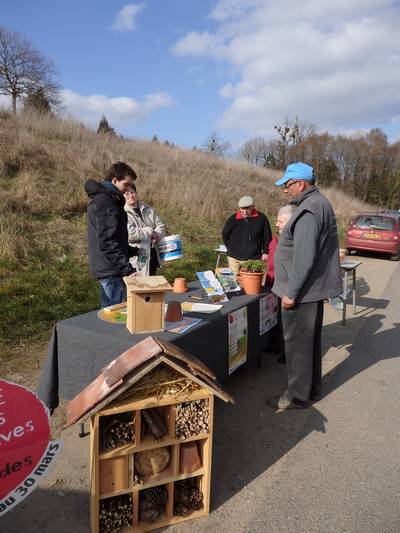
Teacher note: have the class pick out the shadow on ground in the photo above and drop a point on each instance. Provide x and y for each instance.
(49, 511)
(250, 437)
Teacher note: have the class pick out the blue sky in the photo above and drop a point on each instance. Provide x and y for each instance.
(183, 68)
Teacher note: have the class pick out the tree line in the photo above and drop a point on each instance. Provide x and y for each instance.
(365, 164)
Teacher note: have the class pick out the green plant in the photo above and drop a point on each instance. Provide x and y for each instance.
(252, 265)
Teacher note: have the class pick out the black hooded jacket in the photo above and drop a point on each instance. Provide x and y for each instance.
(108, 247)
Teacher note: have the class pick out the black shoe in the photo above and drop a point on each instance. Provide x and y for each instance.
(282, 403)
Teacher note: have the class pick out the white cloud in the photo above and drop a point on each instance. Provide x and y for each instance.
(125, 19)
(120, 112)
(5, 102)
(334, 63)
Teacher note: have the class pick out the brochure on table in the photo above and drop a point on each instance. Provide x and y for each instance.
(268, 312)
(227, 278)
(212, 287)
(238, 338)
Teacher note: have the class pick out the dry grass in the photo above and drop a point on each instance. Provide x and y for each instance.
(44, 163)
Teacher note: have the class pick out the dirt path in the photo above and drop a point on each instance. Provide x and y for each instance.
(332, 468)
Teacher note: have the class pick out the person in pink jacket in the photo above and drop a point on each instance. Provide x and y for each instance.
(276, 342)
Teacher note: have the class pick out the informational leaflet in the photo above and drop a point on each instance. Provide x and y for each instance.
(212, 286)
(268, 312)
(238, 338)
(228, 279)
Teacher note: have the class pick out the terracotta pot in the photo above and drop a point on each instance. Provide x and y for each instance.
(239, 280)
(189, 458)
(174, 312)
(180, 285)
(251, 282)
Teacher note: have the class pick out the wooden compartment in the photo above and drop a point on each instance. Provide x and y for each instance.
(192, 418)
(116, 513)
(113, 475)
(188, 497)
(191, 457)
(117, 430)
(155, 505)
(149, 464)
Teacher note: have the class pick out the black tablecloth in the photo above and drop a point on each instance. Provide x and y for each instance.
(81, 346)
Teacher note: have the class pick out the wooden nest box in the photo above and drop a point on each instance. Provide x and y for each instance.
(151, 426)
(145, 297)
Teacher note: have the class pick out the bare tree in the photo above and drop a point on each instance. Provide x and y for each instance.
(24, 70)
(215, 146)
(292, 133)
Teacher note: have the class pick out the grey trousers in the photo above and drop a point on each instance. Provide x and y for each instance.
(302, 333)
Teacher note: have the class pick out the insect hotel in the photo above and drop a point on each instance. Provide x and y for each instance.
(151, 427)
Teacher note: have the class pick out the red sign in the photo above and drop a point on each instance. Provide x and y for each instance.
(24, 443)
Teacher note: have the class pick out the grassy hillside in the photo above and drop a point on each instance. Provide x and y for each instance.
(44, 163)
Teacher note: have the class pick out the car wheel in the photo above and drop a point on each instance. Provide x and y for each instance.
(395, 257)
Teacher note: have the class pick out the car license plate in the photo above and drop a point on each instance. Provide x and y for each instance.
(372, 236)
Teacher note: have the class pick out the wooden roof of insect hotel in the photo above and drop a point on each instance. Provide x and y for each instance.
(124, 372)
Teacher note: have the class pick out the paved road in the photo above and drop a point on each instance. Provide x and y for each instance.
(332, 468)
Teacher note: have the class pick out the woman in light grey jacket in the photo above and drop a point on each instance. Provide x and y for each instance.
(145, 229)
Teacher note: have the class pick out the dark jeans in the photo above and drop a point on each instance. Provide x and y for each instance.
(302, 332)
(112, 291)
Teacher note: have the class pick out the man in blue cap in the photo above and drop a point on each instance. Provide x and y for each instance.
(307, 270)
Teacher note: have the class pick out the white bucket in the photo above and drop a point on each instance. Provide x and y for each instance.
(170, 248)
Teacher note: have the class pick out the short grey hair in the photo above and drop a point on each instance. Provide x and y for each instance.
(286, 210)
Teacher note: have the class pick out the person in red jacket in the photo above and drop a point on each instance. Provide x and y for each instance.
(276, 341)
(246, 234)
(284, 214)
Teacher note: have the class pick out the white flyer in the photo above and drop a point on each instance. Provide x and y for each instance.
(268, 312)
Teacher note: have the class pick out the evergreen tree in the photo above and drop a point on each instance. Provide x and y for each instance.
(104, 126)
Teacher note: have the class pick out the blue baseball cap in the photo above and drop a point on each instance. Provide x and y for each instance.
(297, 171)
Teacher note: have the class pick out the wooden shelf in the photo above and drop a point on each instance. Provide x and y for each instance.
(163, 480)
(153, 401)
(165, 521)
(148, 443)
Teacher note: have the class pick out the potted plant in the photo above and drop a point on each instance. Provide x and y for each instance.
(251, 273)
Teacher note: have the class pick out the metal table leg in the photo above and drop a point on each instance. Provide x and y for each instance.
(346, 279)
(354, 287)
(218, 259)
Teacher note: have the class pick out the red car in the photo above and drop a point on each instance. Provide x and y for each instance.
(375, 232)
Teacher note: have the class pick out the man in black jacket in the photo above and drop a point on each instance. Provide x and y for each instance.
(246, 234)
(108, 247)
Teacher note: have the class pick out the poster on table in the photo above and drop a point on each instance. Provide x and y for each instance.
(238, 338)
(26, 454)
(268, 312)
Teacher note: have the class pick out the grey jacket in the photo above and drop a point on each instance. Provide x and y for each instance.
(306, 261)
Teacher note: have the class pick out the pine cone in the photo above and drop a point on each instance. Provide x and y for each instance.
(156, 495)
(152, 515)
(181, 509)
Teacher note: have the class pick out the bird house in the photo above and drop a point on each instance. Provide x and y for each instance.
(151, 427)
(145, 297)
